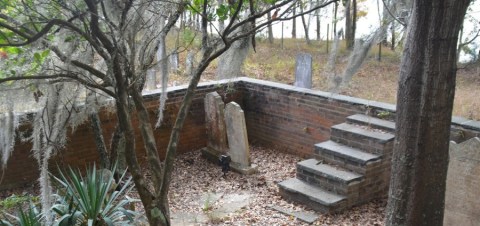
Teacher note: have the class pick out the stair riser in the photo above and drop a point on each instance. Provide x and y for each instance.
(377, 180)
(370, 125)
(328, 184)
(331, 158)
(367, 144)
(300, 198)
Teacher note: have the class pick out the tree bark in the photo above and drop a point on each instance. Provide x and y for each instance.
(354, 20)
(99, 141)
(305, 26)
(270, 31)
(334, 20)
(117, 150)
(294, 23)
(424, 109)
(348, 25)
(317, 16)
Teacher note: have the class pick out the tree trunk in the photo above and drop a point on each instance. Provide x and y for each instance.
(270, 31)
(379, 54)
(334, 22)
(317, 16)
(99, 141)
(294, 23)
(282, 35)
(354, 20)
(424, 109)
(348, 25)
(117, 150)
(392, 47)
(328, 35)
(305, 26)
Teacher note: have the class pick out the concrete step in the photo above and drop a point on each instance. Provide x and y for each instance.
(336, 179)
(372, 122)
(344, 156)
(369, 140)
(314, 197)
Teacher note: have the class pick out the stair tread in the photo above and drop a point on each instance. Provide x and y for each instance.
(376, 122)
(334, 173)
(351, 153)
(313, 192)
(373, 134)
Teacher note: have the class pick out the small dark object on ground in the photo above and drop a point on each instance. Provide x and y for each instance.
(224, 161)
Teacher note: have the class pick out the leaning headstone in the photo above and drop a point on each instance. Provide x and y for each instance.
(462, 205)
(215, 123)
(174, 62)
(150, 80)
(239, 149)
(303, 70)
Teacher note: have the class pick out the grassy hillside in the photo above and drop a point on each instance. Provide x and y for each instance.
(374, 81)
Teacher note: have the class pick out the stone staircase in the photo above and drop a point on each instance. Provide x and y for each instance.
(351, 168)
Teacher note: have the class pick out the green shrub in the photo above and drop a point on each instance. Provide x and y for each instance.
(16, 200)
(95, 199)
(29, 217)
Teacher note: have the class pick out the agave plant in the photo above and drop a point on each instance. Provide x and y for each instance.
(93, 200)
(29, 217)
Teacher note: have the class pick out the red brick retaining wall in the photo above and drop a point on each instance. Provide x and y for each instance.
(282, 116)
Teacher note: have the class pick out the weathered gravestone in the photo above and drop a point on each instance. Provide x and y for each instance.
(303, 70)
(215, 123)
(239, 149)
(462, 202)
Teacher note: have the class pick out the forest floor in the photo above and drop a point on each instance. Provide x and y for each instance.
(194, 179)
(200, 194)
(375, 80)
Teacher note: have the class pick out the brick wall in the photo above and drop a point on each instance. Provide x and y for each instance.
(294, 119)
(282, 116)
(81, 151)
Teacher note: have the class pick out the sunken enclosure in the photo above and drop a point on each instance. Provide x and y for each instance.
(346, 142)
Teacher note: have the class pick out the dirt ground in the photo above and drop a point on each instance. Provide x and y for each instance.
(194, 177)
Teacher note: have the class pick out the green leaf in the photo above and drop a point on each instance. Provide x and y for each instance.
(222, 12)
(37, 57)
(45, 53)
(14, 50)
